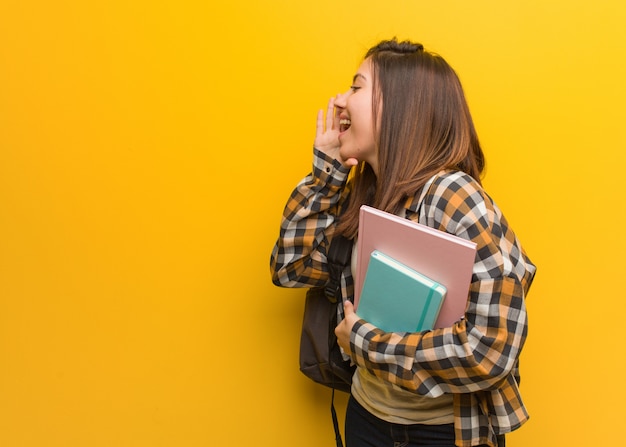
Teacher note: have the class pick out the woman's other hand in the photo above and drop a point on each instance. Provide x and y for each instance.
(343, 329)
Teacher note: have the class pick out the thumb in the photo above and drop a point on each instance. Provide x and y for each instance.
(351, 162)
(348, 308)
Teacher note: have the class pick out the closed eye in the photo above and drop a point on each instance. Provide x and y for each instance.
(354, 88)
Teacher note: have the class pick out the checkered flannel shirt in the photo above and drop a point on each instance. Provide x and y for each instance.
(476, 359)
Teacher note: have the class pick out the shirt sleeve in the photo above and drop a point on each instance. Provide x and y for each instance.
(480, 351)
(299, 255)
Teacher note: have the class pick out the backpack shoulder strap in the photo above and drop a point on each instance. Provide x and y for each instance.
(339, 256)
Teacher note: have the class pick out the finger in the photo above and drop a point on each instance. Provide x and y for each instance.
(330, 113)
(319, 126)
(336, 112)
(338, 329)
(348, 308)
(351, 162)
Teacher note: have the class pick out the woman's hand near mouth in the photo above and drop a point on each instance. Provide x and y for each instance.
(327, 134)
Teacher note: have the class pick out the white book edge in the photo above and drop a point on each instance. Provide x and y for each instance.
(397, 265)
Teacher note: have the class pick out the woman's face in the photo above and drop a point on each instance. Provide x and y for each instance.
(357, 137)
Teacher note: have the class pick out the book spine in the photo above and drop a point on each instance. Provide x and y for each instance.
(426, 310)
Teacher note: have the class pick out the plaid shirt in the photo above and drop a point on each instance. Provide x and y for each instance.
(477, 358)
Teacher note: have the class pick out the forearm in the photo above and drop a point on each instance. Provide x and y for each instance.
(299, 255)
(459, 359)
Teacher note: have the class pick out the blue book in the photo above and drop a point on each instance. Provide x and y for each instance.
(397, 298)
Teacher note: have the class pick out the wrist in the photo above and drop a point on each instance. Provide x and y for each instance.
(329, 170)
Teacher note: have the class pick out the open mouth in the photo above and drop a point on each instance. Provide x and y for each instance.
(344, 124)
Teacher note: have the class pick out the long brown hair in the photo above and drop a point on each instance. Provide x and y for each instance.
(422, 123)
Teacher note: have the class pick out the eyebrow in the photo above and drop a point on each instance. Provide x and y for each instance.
(358, 75)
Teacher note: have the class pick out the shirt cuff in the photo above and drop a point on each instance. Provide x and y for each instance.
(328, 170)
(359, 341)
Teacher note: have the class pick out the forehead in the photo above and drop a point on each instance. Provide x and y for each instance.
(364, 72)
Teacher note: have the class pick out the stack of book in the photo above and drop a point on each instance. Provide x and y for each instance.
(410, 277)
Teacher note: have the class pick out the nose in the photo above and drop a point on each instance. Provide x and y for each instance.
(341, 99)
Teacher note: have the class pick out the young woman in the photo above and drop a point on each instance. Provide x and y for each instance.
(402, 128)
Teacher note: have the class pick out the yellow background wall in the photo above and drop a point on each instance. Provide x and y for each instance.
(147, 149)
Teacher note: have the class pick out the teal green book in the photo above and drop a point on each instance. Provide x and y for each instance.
(396, 298)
